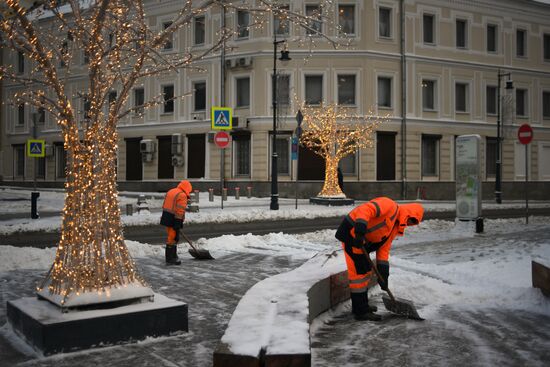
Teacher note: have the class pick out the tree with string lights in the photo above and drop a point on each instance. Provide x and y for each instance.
(111, 43)
(333, 132)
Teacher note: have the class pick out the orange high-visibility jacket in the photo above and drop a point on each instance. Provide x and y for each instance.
(379, 221)
(175, 203)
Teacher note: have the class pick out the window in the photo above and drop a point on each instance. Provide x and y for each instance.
(546, 105)
(346, 89)
(60, 161)
(20, 62)
(41, 167)
(546, 46)
(384, 22)
(243, 92)
(348, 165)
(19, 160)
(428, 95)
(111, 97)
(243, 23)
(200, 30)
(169, 44)
(461, 33)
(315, 23)
(491, 100)
(428, 28)
(85, 57)
(41, 115)
(346, 19)
(521, 102)
(384, 91)
(21, 114)
(520, 43)
(86, 106)
(491, 157)
(283, 90)
(168, 95)
(461, 97)
(199, 96)
(242, 154)
(139, 100)
(64, 54)
(430, 155)
(492, 38)
(281, 23)
(283, 154)
(314, 89)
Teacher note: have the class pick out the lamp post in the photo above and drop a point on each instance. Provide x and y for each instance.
(498, 173)
(274, 205)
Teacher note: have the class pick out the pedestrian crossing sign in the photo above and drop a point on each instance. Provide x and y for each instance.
(222, 118)
(36, 148)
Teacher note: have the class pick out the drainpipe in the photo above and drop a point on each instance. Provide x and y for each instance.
(403, 102)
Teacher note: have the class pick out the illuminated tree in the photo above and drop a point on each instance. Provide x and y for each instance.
(333, 132)
(112, 46)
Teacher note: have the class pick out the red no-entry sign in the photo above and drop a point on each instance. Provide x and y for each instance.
(221, 139)
(525, 134)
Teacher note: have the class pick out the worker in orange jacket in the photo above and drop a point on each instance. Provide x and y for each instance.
(173, 215)
(373, 225)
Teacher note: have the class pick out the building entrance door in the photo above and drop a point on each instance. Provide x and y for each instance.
(134, 166)
(196, 155)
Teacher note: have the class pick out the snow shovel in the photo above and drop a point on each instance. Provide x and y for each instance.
(197, 253)
(398, 306)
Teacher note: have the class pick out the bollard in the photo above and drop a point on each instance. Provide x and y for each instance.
(224, 194)
(237, 193)
(249, 192)
(196, 196)
(129, 209)
(210, 194)
(192, 198)
(34, 205)
(142, 204)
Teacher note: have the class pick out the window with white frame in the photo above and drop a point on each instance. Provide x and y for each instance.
(41, 111)
(346, 19)
(384, 22)
(20, 62)
(346, 89)
(21, 114)
(428, 95)
(521, 39)
(139, 100)
(111, 97)
(283, 90)
(546, 105)
(544, 164)
(492, 38)
(348, 165)
(242, 92)
(168, 95)
(521, 102)
(491, 100)
(384, 91)
(428, 28)
(461, 97)
(243, 24)
(314, 89)
(281, 23)
(461, 33)
(241, 144)
(430, 155)
(314, 22)
(199, 27)
(199, 96)
(283, 153)
(19, 160)
(491, 151)
(169, 44)
(546, 46)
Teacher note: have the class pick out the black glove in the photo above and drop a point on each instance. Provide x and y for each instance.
(384, 270)
(178, 223)
(358, 242)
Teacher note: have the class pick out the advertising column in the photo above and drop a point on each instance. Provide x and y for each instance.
(468, 180)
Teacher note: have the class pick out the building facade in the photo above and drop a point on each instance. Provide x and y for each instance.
(439, 58)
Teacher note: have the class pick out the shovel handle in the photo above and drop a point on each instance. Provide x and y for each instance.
(376, 271)
(188, 241)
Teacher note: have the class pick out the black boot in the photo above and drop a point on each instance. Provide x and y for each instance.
(176, 252)
(170, 254)
(368, 316)
(370, 307)
(361, 309)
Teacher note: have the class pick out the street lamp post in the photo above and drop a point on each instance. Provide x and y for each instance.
(498, 173)
(274, 205)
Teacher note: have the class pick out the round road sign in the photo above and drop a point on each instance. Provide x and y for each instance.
(221, 139)
(525, 134)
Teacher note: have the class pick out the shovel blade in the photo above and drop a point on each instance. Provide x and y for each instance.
(401, 307)
(200, 254)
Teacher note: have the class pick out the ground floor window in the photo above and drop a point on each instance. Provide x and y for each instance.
(348, 165)
(19, 160)
(60, 161)
(283, 154)
(41, 169)
(430, 155)
(241, 155)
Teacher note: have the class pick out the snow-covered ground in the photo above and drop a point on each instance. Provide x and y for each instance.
(474, 289)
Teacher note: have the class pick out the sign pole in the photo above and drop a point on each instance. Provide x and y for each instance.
(222, 164)
(526, 184)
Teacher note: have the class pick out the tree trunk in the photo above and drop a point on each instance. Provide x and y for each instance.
(91, 255)
(330, 186)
